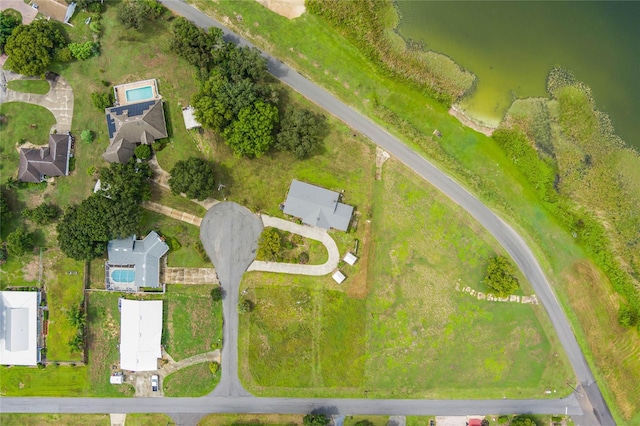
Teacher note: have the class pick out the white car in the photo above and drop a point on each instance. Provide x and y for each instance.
(154, 382)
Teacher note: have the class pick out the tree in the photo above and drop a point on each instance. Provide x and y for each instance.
(245, 306)
(131, 13)
(86, 136)
(86, 228)
(102, 100)
(143, 152)
(43, 214)
(84, 50)
(500, 276)
(193, 177)
(194, 43)
(240, 63)
(251, 134)
(316, 420)
(76, 316)
(5, 209)
(270, 245)
(522, 421)
(8, 22)
(127, 182)
(19, 242)
(216, 293)
(32, 47)
(300, 132)
(76, 343)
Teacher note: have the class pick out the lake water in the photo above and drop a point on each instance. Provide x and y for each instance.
(511, 46)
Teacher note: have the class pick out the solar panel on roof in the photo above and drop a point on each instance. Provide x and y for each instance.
(111, 125)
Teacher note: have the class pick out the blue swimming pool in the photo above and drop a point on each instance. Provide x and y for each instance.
(123, 275)
(139, 94)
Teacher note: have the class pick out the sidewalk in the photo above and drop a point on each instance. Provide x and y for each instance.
(311, 232)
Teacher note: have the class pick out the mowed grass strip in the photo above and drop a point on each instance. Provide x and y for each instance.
(193, 322)
(63, 291)
(50, 381)
(180, 236)
(55, 419)
(251, 419)
(23, 122)
(193, 381)
(424, 337)
(38, 87)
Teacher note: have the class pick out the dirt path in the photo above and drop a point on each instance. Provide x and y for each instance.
(188, 276)
(469, 122)
(173, 213)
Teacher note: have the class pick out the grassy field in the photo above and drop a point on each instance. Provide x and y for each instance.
(251, 419)
(411, 330)
(63, 292)
(80, 419)
(103, 320)
(25, 122)
(193, 322)
(50, 381)
(165, 197)
(39, 87)
(180, 236)
(196, 380)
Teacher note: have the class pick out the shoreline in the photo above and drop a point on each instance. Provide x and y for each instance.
(470, 122)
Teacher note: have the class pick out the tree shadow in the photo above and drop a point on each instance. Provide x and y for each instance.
(224, 181)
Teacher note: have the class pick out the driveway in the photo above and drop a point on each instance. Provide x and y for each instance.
(188, 275)
(59, 99)
(28, 13)
(229, 233)
(312, 232)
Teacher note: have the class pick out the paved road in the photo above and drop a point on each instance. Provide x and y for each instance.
(306, 231)
(250, 404)
(505, 234)
(229, 233)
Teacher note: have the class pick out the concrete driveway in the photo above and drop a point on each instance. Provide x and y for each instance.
(28, 13)
(59, 99)
(312, 232)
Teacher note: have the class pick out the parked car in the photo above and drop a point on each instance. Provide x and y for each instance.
(154, 383)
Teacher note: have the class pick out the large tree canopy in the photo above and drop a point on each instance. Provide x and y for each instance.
(300, 132)
(127, 182)
(194, 44)
(8, 22)
(31, 47)
(251, 134)
(240, 63)
(85, 229)
(194, 177)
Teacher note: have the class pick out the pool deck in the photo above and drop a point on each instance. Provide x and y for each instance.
(120, 91)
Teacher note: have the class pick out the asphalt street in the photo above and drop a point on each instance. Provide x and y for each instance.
(588, 394)
(229, 233)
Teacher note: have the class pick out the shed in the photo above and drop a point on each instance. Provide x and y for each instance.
(189, 116)
(116, 379)
(338, 277)
(350, 258)
(140, 334)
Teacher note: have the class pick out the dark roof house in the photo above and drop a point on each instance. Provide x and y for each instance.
(131, 124)
(317, 206)
(52, 160)
(134, 263)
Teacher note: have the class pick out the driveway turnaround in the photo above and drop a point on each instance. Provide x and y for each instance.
(229, 233)
(312, 232)
(59, 99)
(596, 410)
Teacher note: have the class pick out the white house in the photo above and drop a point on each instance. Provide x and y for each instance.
(140, 334)
(19, 328)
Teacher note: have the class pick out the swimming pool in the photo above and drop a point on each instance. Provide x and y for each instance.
(123, 275)
(139, 94)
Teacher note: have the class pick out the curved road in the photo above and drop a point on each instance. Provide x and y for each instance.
(588, 394)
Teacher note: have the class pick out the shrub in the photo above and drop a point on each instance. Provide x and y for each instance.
(19, 242)
(216, 293)
(500, 276)
(270, 245)
(245, 306)
(102, 100)
(143, 152)
(303, 258)
(84, 50)
(43, 214)
(63, 55)
(87, 136)
(91, 170)
(214, 367)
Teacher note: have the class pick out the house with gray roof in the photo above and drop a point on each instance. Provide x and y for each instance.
(134, 263)
(48, 161)
(317, 206)
(132, 124)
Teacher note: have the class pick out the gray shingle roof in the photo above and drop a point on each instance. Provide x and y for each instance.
(52, 160)
(317, 206)
(144, 255)
(128, 125)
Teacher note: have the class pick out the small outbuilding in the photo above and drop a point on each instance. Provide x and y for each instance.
(350, 258)
(338, 277)
(189, 116)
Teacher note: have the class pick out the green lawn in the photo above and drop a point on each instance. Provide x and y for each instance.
(63, 292)
(50, 381)
(251, 419)
(180, 236)
(80, 419)
(193, 322)
(19, 271)
(196, 380)
(163, 196)
(39, 87)
(24, 123)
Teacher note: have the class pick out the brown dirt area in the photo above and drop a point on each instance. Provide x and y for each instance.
(52, 8)
(287, 8)
(615, 349)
